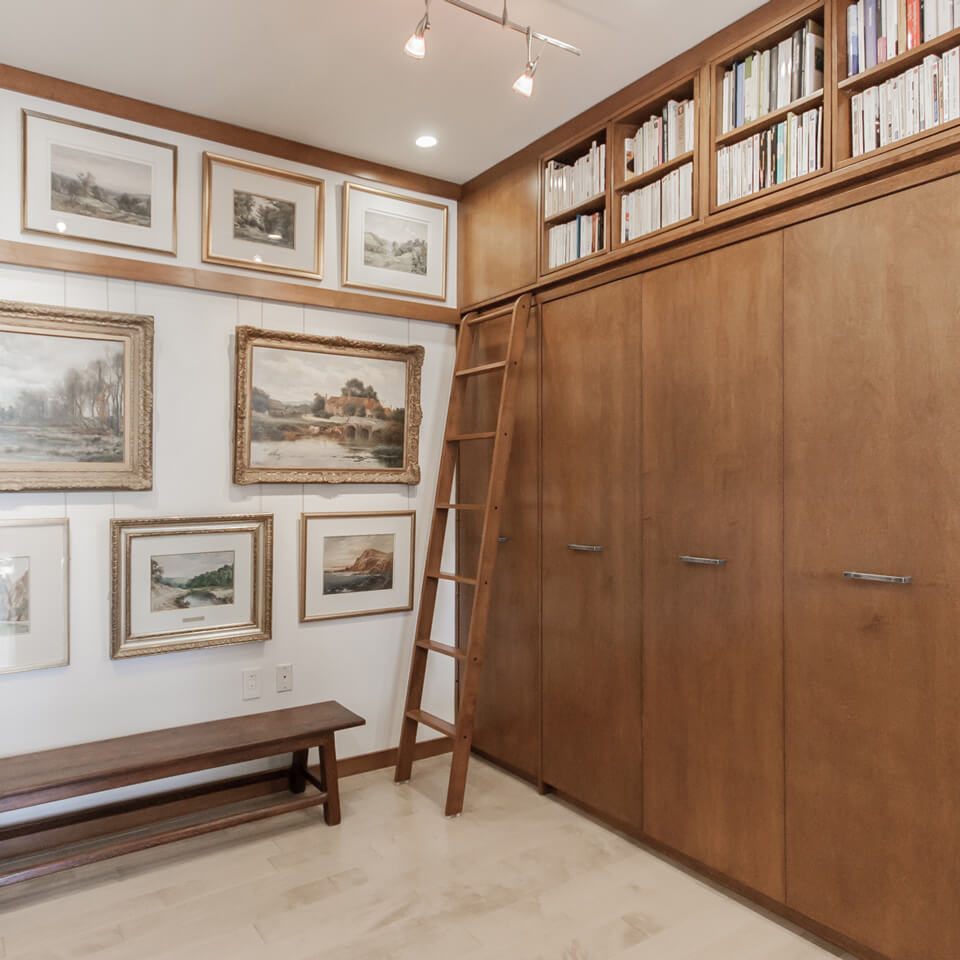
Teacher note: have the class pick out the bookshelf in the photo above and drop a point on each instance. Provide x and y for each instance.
(634, 124)
(556, 217)
(742, 138)
(850, 86)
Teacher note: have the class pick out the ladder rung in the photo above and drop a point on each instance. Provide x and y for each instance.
(460, 506)
(455, 437)
(483, 368)
(487, 317)
(443, 648)
(455, 577)
(428, 719)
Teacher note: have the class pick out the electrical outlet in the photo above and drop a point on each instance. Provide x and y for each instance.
(251, 684)
(284, 677)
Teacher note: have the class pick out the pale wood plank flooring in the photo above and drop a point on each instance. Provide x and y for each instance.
(518, 877)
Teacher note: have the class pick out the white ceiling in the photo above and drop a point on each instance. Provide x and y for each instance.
(332, 73)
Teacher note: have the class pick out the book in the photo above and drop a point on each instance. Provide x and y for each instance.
(853, 47)
(862, 34)
(812, 58)
(784, 66)
(902, 26)
(944, 16)
(741, 66)
(929, 19)
(796, 66)
(775, 77)
(913, 24)
(870, 33)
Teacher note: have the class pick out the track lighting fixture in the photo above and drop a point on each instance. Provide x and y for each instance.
(416, 46)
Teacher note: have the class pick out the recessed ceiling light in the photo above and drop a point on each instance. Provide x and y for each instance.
(426, 141)
(61, 226)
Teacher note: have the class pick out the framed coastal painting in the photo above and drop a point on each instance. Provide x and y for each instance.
(34, 595)
(90, 183)
(355, 564)
(184, 583)
(261, 218)
(76, 399)
(393, 243)
(325, 410)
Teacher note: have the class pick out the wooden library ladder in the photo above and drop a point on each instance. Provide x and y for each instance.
(470, 658)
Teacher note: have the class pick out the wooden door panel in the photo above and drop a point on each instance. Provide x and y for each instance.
(713, 648)
(591, 497)
(872, 482)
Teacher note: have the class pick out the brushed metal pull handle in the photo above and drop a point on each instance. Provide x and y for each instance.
(707, 561)
(875, 577)
(585, 547)
(502, 539)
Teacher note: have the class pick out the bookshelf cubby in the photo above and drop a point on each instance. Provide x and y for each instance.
(595, 203)
(725, 139)
(849, 86)
(624, 182)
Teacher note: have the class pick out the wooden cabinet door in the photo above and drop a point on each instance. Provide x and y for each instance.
(872, 421)
(507, 727)
(712, 489)
(591, 498)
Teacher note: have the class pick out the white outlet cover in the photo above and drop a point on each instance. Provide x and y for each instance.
(251, 684)
(284, 677)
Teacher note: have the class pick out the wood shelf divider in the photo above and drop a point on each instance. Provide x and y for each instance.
(655, 173)
(768, 119)
(898, 64)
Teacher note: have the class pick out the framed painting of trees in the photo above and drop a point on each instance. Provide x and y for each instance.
(325, 410)
(76, 399)
(260, 218)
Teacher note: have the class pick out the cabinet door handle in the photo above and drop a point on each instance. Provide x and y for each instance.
(708, 561)
(875, 577)
(585, 547)
(502, 539)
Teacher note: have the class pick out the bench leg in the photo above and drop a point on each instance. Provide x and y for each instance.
(298, 772)
(328, 778)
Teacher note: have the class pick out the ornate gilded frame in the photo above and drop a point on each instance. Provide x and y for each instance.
(135, 472)
(123, 532)
(249, 338)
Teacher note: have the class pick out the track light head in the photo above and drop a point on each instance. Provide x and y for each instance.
(524, 83)
(416, 45)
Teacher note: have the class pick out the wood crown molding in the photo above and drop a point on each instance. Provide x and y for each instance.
(139, 111)
(215, 281)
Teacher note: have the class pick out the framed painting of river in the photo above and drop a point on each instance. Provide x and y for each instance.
(355, 564)
(184, 583)
(323, 410)
(76, 399)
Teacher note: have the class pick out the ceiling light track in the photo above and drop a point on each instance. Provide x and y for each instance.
(504, 21)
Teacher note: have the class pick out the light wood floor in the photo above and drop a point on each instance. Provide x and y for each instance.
(518, 877)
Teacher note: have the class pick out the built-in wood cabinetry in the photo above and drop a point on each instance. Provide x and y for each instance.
(591, 548)
(872, 469)
(712, 567)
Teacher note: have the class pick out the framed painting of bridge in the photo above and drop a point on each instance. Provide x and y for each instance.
(355, 564)
(76, 399)
(325, 410)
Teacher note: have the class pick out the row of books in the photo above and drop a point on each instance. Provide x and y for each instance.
(789, 149)
(567, 185)
(578, 238)
(878, 30)
(919, 98)
(769, 80)
(662, 138)
(657, 205)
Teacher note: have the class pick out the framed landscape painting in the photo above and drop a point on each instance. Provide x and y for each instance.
(355, 564)
(89, 183)
(76, 399)
(325, 410)
(393, 243)
(34, 595)
(260, 218)
(184, 583)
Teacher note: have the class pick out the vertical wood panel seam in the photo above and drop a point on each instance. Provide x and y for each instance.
(783, 526)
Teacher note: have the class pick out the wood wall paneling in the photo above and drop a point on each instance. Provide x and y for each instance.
(591, 496)
(872, 481)
(712, 487)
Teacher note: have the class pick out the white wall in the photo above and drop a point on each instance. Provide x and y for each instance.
(363, 661)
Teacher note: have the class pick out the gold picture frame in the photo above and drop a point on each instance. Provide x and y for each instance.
(249, 229)
(357, 543)
(360, 434)
(381, 263)
(76, 415)
(189, 582)
(39, 212)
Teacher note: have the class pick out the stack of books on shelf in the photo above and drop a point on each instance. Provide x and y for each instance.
(661, 139)
(788, 149)
(878, 30)
(770, 80)
(657, 205)
(919, 99)
(578, 238)
(567, 186)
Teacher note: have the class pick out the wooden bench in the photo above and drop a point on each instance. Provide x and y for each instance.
(86, 768)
